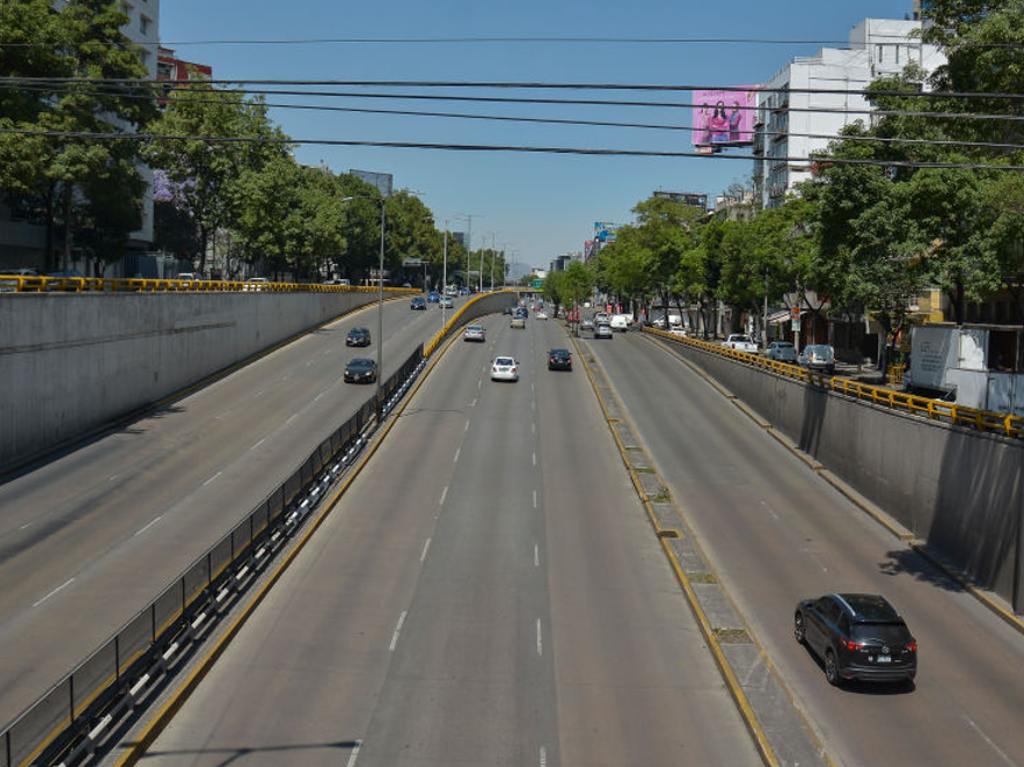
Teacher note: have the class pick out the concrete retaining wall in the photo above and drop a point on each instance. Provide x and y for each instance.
(960, 490)
(70, 362)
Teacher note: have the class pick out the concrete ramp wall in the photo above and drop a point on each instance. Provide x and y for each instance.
(960, 490)
(70, 362)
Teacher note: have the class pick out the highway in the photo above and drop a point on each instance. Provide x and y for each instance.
(487, 591)
(88, 539)
(777, 533)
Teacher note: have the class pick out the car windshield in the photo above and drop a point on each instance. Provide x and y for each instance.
(504, 362)
(820, 351)
(869, 607)
(741, 339)
(474, 329)
(559, 352)
(783, 345)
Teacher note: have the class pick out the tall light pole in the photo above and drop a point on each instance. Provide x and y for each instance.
(469, 238)
(444, 275)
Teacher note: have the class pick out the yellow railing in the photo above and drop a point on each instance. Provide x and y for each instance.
(21, 284)
(453, 321)
(1007, 424)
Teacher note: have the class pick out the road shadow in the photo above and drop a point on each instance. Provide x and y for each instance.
(909, 562)
(233, 754)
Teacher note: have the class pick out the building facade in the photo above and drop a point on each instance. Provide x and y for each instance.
(791, 125)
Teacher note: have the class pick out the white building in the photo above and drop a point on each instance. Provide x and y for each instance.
(878, 47)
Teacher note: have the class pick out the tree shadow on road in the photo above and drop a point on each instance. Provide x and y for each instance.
(909, 562)
(232, 754)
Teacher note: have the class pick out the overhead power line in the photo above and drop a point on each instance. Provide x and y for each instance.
(535, 85)
(609, 124)
(569, 102)
(452, 147)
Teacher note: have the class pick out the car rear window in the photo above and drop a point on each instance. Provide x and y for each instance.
(504, 361)
(890, 633)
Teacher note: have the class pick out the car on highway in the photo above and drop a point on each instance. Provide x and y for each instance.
(586, 325)
(741, 342)
(417, 303)
(517, 322)
(474, 333)
(601, 317)
(620, 322)
(446, 302)
(433, 297)
(540, 315)
(602, 330)
(857, 636)
(782, 351)
(361, 370)
(820, 357)
(559, 359)
(358, 337)
(505, 369)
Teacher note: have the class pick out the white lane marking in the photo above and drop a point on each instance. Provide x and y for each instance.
(473, 403)
(259, 393)
(318, 396)
(480, 384)
(444, 494)
(543, 757)
(534, 459)
(258, 444)
(540, 639)
(458, 452)
(467, 427)
(112, 477)
(771, 510)
(426, 546)
(212, 478)
(533, 428)
(25, 526)
(531, 386)
(533, 405)
(144, 528)
(355, 754)
(65, 584)
(535, 499)
(536, 555)
(398, 629)
(991, 743)
(291, 418)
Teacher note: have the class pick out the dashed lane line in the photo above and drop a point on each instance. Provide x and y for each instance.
(64, 585)
(212, 478)
(426, 547)
(398, 630)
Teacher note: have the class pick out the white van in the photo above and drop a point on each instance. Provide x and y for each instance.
(620, 322)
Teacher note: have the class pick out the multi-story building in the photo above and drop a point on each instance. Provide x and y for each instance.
(792, 123)
(22, 237)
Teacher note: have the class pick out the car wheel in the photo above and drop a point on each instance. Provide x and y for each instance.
(799, 630)
(831, 669)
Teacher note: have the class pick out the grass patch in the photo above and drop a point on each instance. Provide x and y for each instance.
(702, 577)
(732, 636)
(662, 496)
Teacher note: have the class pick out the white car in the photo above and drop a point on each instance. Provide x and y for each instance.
(505, 369)
(620, 322)
(675, 321)
(474, 333)
(741, 343)
(601, 317)
(540, 316)
(446, 302)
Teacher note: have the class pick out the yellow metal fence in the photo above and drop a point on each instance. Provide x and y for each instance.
(1007, 424)
(23, 284)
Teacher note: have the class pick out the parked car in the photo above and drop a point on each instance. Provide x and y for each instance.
(559, 359)
(659, 322)
(256, 284)
(361, 370)
(474, 333)
(602, 330)
(504, 369)
(433, 297)
(782, 351)
(417, 303)
(674, 320)
(446, 302)
(857, 636)
(23, 271)
(741, 342)
(820, 357)
(358, 337)
(620, 322)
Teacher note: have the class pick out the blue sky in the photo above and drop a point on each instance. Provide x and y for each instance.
(538, 205)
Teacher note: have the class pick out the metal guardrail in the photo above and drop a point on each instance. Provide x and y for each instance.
(23, 284)
(1006, 424)
(82, 708)
(454, 321)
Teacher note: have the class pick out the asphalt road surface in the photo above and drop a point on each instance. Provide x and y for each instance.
(777, 533)
(488, 591)
(88, 539)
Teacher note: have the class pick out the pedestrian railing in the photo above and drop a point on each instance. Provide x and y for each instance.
(1007, 424)
(27, 284)
(85, 706)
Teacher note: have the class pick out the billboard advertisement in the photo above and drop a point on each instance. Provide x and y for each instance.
(382, 181)
(724, 118)
(604, 231)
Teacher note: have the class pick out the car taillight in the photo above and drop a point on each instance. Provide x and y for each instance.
(912, 646)
(853, 646)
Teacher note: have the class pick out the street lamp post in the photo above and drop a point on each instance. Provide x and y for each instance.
(444, 275)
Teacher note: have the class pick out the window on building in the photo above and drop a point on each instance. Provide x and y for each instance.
(144, 23)
(879, 53)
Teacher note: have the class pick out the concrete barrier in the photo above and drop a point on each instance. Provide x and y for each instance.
(72, 362)
(960, 491)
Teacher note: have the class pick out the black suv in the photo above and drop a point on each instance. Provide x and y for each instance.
(361, 370)
(857, 636)
(358, 337)
(559, 359)
(418, 304)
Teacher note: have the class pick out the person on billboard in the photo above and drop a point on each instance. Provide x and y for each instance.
(735, 120)
(718, 125)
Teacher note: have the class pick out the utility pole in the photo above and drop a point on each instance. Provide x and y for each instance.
(764, 326)
(444, 273)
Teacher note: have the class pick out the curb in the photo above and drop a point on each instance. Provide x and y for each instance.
(753, 724)
(163, 716)
(897, 530)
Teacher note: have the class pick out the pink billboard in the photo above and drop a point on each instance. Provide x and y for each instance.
(724, 118)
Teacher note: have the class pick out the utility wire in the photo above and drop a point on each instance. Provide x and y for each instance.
(577, 102)
(605, 124)
(604, 152)
(533, 85)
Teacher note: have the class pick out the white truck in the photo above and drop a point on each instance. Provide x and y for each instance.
(741, 343)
